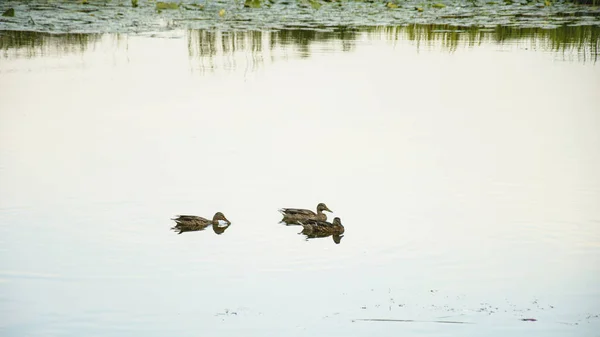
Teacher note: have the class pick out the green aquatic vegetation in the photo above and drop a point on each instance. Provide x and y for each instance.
(252, 3)
(166, 5)
(315, 4)
(253, 14)
(9, 12)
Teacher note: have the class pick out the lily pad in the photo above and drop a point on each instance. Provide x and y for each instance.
(166, 5)
(315, 4)
(252, 3)
(391, 5)
(438, 5)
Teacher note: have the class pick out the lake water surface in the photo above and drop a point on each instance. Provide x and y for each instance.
(464, 168)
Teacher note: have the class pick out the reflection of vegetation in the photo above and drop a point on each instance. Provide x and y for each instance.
(583, 40)
(216, 50)
(230, 50)
(34, 44)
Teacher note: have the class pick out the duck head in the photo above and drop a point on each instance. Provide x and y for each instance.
(322, 207)
(219, 216)
(337, 222)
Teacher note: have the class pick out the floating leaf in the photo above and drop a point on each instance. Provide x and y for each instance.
(314, 4)
(84, 2)
(438, 5)
(252, 3)
(166, 5)
(9, 12)
(222, 13)
(391, 5)
(134, 3)
(547, 3)
(420, 9)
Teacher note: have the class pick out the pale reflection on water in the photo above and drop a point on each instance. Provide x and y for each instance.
(467, 183)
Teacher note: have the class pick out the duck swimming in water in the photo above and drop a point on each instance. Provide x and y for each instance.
(189, 223)
(295, 215)
(322, 228)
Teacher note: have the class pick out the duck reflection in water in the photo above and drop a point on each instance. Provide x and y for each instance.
(322, 229)
(295, 216)
(192, 223)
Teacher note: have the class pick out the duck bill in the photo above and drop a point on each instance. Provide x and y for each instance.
(328, 210)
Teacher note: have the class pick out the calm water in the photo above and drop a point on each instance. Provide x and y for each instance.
(465, 171)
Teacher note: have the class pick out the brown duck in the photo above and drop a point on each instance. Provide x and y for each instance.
(322, 228)
(295, 215)
(189, 223)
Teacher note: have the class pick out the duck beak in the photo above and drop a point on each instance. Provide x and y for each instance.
(328, 210)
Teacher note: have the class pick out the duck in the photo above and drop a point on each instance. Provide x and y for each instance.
(188, 223)
(317, 228)
(295, 215)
